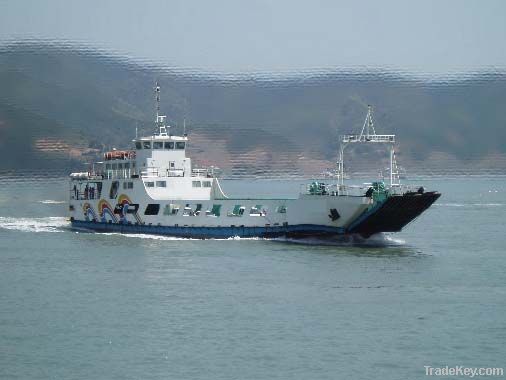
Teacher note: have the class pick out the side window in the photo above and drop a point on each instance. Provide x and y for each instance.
(215, 211)
(187, 211)
(150, 184)
(138, 145)
(130, 185)
(180, 145)
(171, 209)
(196, 184)
(237, 211)
(161, 184)
(174, 209)
(146, 144)
(169, 145)
(113, 192)
(206, 183)
(157, 145)
(152, 209)
(256, 211)
(281, 209)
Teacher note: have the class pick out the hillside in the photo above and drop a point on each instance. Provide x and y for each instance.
(60, 107)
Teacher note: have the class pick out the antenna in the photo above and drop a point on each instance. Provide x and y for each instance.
(368, 124)
(160, 129)
(184, 127)
(157, 89)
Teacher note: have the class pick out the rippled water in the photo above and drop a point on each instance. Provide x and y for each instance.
(86, 305)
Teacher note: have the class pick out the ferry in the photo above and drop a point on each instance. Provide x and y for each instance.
(153, 188)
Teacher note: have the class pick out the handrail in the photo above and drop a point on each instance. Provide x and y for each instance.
(325, 189)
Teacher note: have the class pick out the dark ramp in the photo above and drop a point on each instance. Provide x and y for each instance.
(393, 214)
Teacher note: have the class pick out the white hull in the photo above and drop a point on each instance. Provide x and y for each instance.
(213, 212)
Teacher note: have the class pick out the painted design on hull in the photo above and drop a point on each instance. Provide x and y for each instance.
(106, 212)
(124, 207)
(89, 213)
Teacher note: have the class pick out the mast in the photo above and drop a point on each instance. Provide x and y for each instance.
(368, 135)
(161, 128)
(157, 90)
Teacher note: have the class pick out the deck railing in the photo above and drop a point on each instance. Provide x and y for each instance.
(325, 189)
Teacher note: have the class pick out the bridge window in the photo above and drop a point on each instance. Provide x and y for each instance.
(157, 145)
(206, 183)
(138, 145)
(169, 145)
(161, 184)
(152, 209)
(196, 184)
(180, 145)
(146, 144)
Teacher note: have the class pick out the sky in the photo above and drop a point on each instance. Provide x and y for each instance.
(427, 37)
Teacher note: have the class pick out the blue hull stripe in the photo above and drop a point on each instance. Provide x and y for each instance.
(299, 230)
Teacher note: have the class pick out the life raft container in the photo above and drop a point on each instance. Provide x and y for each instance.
(119, 155)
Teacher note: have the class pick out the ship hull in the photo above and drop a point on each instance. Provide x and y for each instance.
(116, 207)
(292, 231)
(392, 215)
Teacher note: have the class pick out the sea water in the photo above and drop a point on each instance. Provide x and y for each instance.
(77, 305)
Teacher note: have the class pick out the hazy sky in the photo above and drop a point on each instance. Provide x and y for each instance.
(427, 36)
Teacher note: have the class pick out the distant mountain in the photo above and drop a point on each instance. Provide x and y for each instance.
(61, 106)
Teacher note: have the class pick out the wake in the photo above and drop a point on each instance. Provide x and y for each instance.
(51, 202)
(47, 224)
(378, 240)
